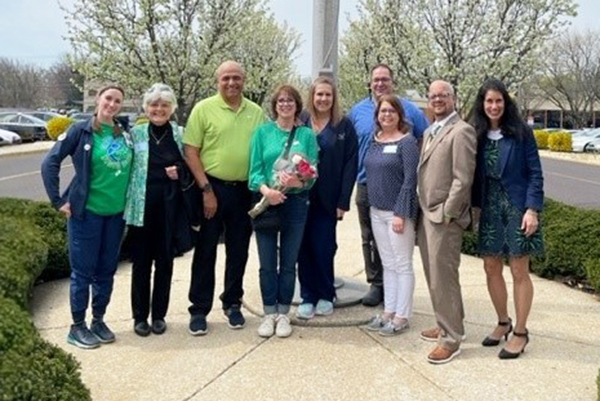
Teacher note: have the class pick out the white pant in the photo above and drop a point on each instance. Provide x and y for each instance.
(396, 251)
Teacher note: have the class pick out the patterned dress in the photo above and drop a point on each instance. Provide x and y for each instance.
(500, 232)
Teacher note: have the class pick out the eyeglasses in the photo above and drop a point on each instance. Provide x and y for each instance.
(283, 101)
(387, 111)
(441, 96)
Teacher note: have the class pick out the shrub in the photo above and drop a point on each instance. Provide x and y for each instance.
(571, 243)
(23, 256)
(31, 368)
(571, 239)
(469, 244)
(53, 232)
(541, 138)
(560, 142)
(53, 226)
(141, 120)
(57, 126)
(592, 271)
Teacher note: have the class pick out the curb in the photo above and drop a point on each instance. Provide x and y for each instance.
(27, 148)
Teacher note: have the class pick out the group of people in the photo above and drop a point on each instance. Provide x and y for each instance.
(415, 183)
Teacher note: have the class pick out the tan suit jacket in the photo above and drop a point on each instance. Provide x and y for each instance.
(446, 172)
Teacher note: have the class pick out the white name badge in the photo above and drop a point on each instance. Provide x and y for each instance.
(141, 147)
(390, 149)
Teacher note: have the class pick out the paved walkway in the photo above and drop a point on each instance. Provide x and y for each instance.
(331, 358)
(335, 358)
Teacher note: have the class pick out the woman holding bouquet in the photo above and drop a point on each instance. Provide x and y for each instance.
(270, 174)
(329, 198)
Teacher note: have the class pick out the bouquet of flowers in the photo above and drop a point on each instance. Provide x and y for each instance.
(298, 165)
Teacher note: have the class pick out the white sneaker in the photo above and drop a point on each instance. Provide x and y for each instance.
(267, 327)
(284, 328)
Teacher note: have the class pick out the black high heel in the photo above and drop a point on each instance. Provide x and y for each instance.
(492, 342)
(504, 354)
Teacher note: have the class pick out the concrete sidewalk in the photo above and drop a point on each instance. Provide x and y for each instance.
(335, 358)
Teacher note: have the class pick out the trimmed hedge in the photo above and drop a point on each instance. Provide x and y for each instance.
(560, 142)
(57, 126)
(541, 138)
(53, 233)
(571, 242)
(30, 367)
(22, 258)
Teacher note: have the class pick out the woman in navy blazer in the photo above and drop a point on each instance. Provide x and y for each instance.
(508, 188)
(329, 198)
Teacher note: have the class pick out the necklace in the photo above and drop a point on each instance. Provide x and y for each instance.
(157, 140)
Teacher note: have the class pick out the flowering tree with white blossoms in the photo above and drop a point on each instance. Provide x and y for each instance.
(461, 41)
(180, 43)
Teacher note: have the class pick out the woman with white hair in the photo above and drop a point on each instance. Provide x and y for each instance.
(154, 202)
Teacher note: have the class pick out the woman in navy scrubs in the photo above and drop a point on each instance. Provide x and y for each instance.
(329, 198)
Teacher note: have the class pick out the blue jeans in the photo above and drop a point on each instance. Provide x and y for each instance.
(277, 282)
(94, 243)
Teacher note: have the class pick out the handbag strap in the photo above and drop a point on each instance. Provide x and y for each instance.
(288, 145)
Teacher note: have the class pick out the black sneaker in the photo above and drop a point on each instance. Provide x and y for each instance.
(101, 330)
(141, 328)
(374, 297)
(198, 325)
(80, 336)
(235, 318)
(159, 326)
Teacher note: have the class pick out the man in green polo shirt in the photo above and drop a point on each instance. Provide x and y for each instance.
(217, 150)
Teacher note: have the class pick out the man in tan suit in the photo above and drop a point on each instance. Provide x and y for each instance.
(445, 175)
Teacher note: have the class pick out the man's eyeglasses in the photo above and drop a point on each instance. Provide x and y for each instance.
(440, 96)
(283, 101)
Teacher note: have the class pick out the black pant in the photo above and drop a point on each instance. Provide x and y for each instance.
(233, 203)
(373, 267)
(149, 244)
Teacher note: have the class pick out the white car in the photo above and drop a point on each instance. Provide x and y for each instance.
(593, 146)
(9, 137)
(582, 140)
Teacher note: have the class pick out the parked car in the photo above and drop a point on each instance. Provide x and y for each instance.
(582, 141)
(9, 137)
(126, 119)
(593, 146)
(44, 115)
(81, 116)
(28, 127)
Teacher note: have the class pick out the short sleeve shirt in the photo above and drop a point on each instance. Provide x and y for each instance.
(223, 136)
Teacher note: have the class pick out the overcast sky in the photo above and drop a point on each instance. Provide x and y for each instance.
(31, 30)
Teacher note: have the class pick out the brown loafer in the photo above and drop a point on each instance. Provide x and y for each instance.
(431, 335)
(441, 355)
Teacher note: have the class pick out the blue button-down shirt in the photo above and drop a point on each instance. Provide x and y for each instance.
(362, 116)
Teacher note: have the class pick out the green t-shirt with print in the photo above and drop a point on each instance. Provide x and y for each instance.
(111, 165)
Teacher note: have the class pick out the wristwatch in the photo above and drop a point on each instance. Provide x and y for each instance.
(206, 188)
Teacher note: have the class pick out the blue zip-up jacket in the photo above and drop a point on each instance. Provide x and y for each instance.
(77, 143)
